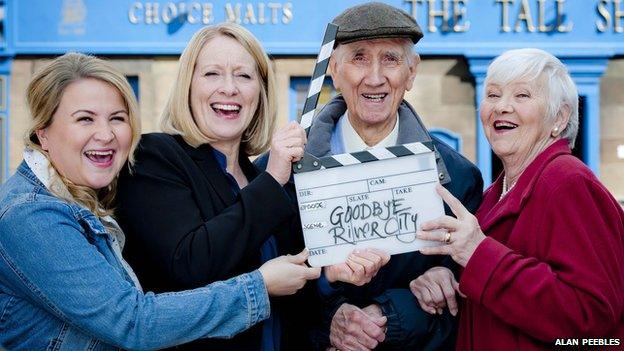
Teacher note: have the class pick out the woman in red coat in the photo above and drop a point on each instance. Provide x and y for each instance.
(544, 257)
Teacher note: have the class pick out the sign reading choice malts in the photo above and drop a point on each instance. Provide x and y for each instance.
(377, 204)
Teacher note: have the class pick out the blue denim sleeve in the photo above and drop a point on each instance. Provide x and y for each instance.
(46, 259)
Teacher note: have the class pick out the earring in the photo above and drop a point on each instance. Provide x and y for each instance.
(555, 132)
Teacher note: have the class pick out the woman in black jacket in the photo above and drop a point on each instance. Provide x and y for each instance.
(194, 208)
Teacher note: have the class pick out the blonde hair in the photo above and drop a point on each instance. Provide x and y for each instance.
(44, 94)
(177, 117)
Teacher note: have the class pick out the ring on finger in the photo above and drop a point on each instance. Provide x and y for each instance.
(447, 238)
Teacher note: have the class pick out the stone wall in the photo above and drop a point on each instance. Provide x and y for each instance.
(443, 94)
(612, 127)
(444, 97)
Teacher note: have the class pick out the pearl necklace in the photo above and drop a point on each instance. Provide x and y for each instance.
(506, 189)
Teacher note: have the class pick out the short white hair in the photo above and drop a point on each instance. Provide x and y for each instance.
(532, 64)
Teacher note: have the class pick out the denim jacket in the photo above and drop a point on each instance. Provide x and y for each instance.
(63, 288)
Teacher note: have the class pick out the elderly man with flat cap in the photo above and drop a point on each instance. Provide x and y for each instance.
(372, 67)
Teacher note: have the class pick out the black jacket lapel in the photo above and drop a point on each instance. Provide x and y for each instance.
(206, 162)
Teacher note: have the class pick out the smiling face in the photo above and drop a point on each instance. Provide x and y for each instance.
(514, 120)
(225, 90)
(373, 76)
(90, 136)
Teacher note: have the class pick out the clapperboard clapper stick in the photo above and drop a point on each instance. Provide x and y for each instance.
(309, 162)
(374, 198)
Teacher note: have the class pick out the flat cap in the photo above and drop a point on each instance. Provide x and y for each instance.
(375, 20)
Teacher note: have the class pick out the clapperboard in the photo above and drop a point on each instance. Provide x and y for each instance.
(374, 198)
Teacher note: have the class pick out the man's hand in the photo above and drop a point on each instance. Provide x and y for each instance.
(354, 329)
(373, 310)
(435, 289)
(361, 266)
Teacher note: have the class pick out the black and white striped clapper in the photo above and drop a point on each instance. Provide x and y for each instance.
(374, 154)
(316, 83)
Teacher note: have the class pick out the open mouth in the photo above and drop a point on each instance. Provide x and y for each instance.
(500, 126)
(226, 110)
(101, 158)
(375, 97)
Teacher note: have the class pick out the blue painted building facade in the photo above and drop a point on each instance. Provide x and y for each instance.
(586, 34)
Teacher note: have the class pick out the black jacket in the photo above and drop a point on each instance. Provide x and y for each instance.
(185, 228)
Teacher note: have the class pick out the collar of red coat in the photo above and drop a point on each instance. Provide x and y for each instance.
(491, 210)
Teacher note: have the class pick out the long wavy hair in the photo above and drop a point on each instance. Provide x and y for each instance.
(44, 95)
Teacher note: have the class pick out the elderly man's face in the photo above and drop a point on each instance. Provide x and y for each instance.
(373, 76)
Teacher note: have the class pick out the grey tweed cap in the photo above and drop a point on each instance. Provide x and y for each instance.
(375, 20)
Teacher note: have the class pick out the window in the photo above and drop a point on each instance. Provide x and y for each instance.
(449, 138)
(134, 83)
(579, 146)
(299, 92)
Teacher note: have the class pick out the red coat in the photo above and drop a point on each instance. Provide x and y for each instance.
(552, 265)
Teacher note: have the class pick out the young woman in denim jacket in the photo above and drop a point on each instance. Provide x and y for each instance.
(63, 282)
